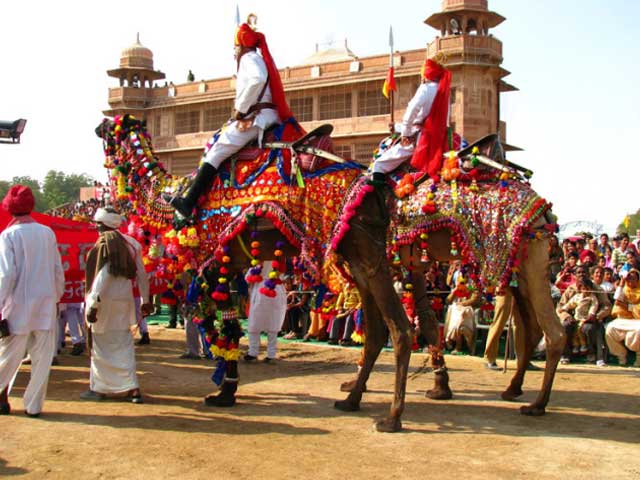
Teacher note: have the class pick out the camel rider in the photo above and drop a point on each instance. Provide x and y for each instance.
(424, 126)
(259, 103)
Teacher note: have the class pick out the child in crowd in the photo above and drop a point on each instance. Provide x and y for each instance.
(583, 305)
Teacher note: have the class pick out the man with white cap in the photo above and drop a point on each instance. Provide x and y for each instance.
(112, 264)
(31, 283)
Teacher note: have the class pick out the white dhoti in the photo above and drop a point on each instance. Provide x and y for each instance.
(622, 333)
(392, 158)
(113, 362)
(41, 345)
(231, 140)
(459, 317)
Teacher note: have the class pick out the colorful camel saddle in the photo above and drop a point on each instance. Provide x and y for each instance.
(299, 196)
(488, 221)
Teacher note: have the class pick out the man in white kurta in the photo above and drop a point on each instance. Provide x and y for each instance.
(266, 314)
(31, 283)
(111, 304)
(255, 111)
(417, 111)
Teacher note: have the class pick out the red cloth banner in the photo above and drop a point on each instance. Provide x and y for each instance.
(75, 239)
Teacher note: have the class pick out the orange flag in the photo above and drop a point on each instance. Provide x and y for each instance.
(389, 84)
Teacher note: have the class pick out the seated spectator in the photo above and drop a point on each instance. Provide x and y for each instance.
(593, 329)
(297, 317)
(602, 278)
(320, 316)
(624, 332)
(346, 305)
(567, 275)
(604, 242)
(460, 325)
(608, 252)
(589, 255)
(619, 255)
(583, 305)
(556, 257)
(630, 263)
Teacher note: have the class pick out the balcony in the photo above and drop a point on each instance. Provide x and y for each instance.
(487, 49)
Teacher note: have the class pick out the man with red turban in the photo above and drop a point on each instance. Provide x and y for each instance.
(424, 126)
(259, 103)
(31, 283)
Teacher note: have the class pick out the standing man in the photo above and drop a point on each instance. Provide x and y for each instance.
(266, 314)
(259, 103)
(424, 126)
(112, 264)
(31, 283)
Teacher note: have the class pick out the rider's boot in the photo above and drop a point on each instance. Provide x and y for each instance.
(378, 179)
(202, 183)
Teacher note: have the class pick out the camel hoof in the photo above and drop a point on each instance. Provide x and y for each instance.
(510, 394)
(532, 410)
(350, 386)
(439, 393)
(388, 425)
(346, 405)
(220, 401)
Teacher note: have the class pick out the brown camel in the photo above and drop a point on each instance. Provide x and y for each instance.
(364, 249)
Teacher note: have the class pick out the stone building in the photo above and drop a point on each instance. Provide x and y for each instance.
(331, 86)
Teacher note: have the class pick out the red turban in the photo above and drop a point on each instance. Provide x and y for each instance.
(428, 156)
(19, 200)
(248, 37)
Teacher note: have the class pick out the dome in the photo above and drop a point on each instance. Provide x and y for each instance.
(136, 56)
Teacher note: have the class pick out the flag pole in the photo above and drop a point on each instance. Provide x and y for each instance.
(392, 96)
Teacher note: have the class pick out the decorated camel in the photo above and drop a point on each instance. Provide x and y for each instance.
(262, 208)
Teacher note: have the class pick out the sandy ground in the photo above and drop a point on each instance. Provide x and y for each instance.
(285, 426)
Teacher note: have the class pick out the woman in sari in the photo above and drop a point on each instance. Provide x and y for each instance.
(624, 331)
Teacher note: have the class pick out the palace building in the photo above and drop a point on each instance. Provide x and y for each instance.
(331, 86)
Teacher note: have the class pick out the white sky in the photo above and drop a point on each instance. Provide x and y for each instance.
(574, 61)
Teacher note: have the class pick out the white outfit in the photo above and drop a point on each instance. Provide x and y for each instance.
(266, 314)
(458, 316)
(251, 78)
(623, 333)
(31, 283)
(417, 111)
(113, 363)
(71, 315)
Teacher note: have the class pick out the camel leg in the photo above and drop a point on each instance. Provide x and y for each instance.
(430, 330)
(374, 339)
(534, 284)
(523, 317)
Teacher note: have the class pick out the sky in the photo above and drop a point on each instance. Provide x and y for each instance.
(575, 63)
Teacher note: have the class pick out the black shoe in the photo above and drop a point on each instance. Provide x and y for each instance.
(32, 415)
(533, 368)
(249, 358)
(377, 180)
(5, 408)
(144, 340)
(172, 325)
(269, 360)
(204, 178)
(77, 349)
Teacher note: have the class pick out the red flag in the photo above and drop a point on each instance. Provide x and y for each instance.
(389, 84)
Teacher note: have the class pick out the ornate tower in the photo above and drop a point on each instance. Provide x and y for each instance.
(136, 76)
(474, 57)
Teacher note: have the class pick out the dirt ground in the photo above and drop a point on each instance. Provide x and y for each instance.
(285, 426)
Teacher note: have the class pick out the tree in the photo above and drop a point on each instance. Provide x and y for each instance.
(59, 188)
(634, 223)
